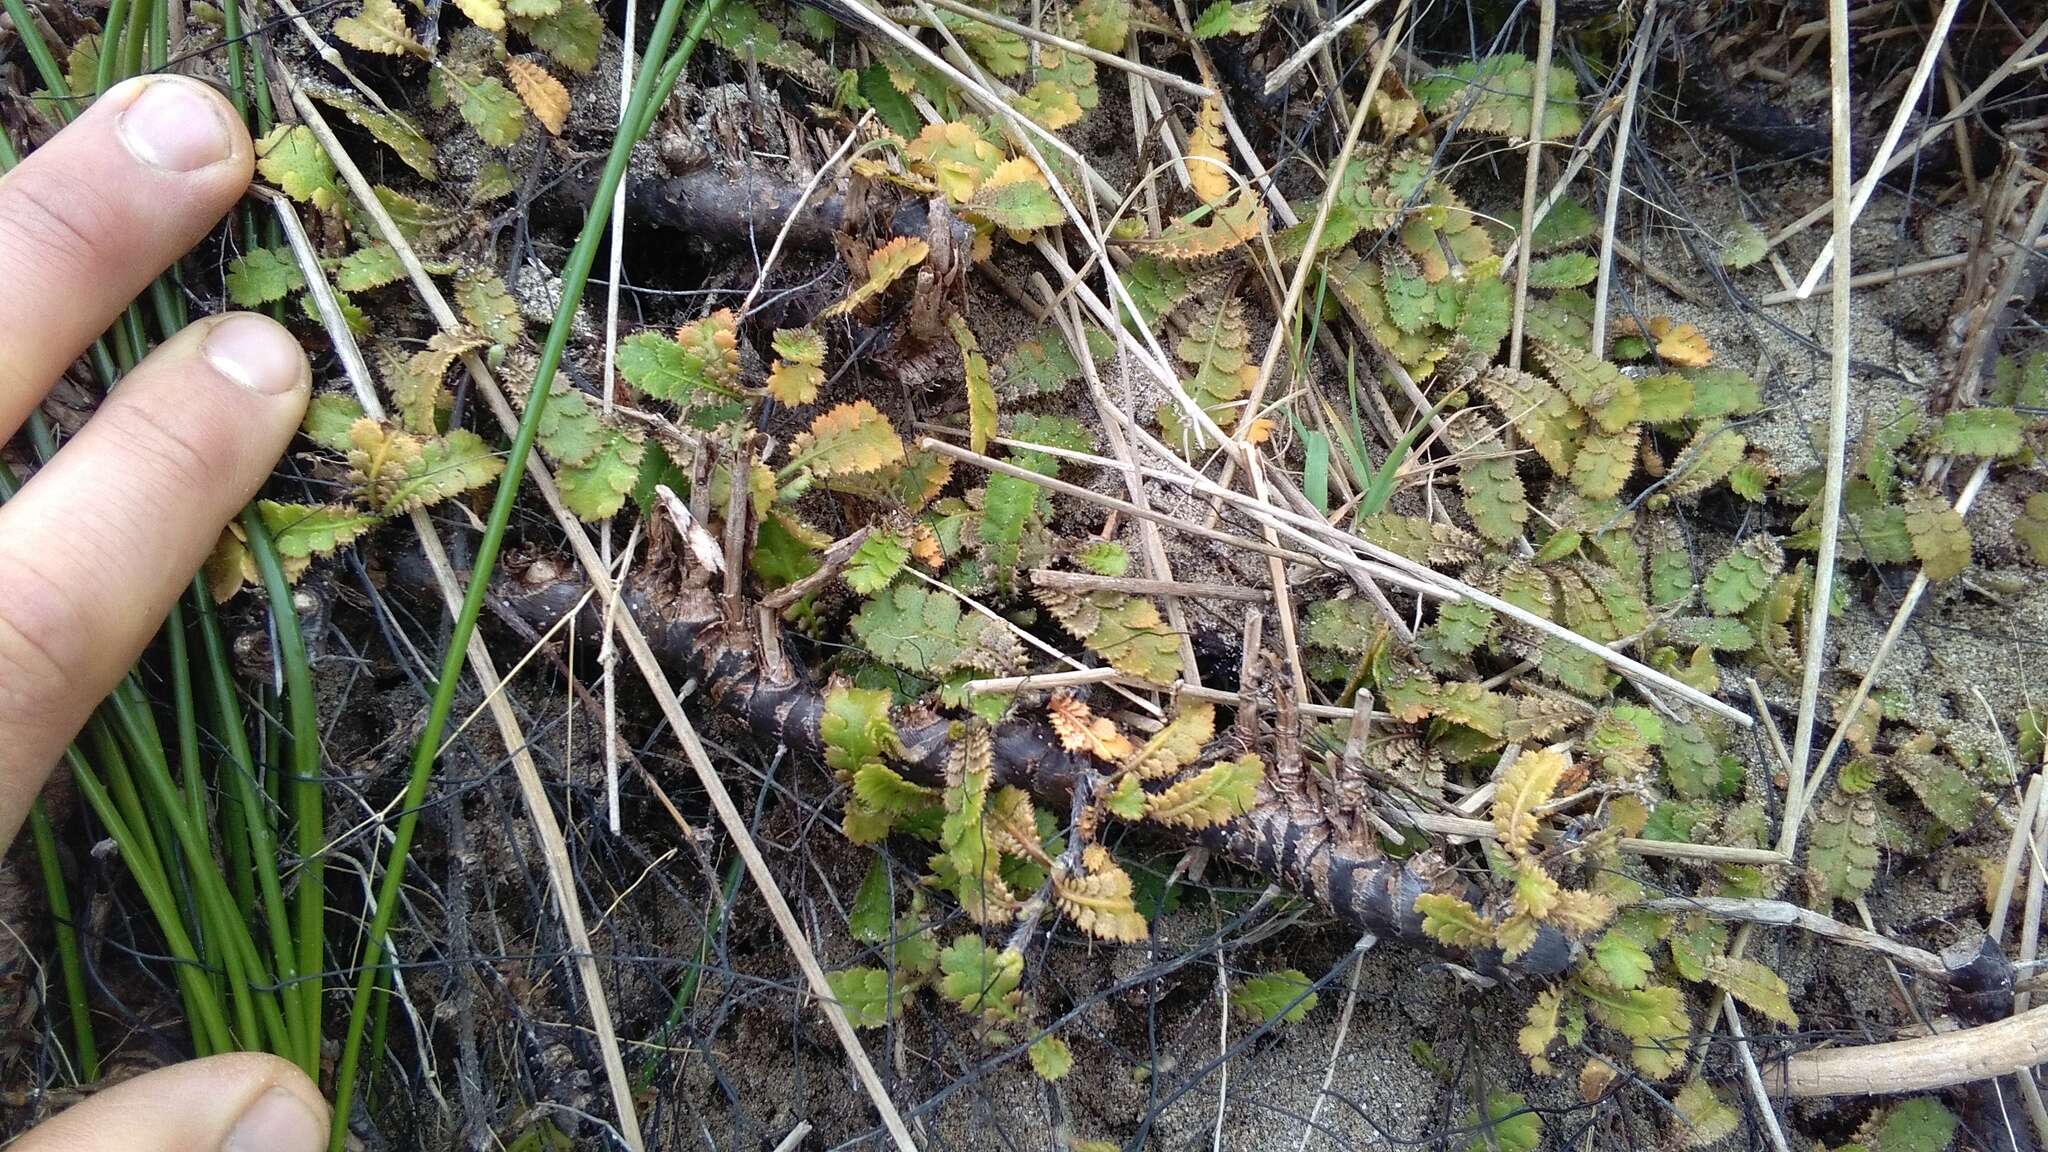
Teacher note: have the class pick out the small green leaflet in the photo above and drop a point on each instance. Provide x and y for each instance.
(877, 562)
(263, 276)
(1285, 994)
(1231, 18)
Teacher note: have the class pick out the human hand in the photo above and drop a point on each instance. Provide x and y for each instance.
(98, 544)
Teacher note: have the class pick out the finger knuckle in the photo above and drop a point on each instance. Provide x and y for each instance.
(56, 221)
(41, 660)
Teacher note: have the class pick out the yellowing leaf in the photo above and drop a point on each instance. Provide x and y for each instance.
(1099, 900)
(1222, 228)
(1015, 196)
(1451, 921)
(799, 370)
(955, 156)
(1941, 541)
(1675, 343)
(1080, 729)
(885, 265)
(379, 27)
(981, 393)
(1207, 159)
(290, 157)
(1703, 1118)
(1217, 794)
(1527, 785)
(848, 440)
(1541, 1029)
(486, 14)
(416, 381)
(542, 94)
(1755, 985)
(1051, 1059)
(1176, 744)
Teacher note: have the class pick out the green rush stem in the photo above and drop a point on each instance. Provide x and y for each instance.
(139, 852)
(159, 35)
(209, 1024)
(136, 38)
(83, 1050)
(216, 903)
(186, 712)
(52, 73)
(111, 29)
(254, 856)
(238, 81)
(308, 801)
(650, 88)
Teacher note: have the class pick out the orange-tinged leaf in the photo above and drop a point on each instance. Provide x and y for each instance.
(924, 546)
(542, 94)
(1080, 729)
(955, 156)
(1676, 343)
(1220, 229)
(1208, 161)
(1100, 899)
(885, 265)
(799, 366)
(851, 439)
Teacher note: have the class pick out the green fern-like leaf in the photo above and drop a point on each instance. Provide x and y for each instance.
(1494, 497)
(1744, 575)
(1941, 541)
(1500, 91)
(1979, 432)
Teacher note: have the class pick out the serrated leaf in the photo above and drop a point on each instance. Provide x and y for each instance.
(1527, 785)
(1219, 229)
(1125, 630)
(1703, 1117)
(1050, 1058)
(872, 916)
(1941, 541)
(1622, 959)
(301, 532)
(1494, 496)
(1718, 393)
(1098, 898)
(923, 631)
(1495, 95)
(596, 488)
(1016, 197)
(1743, 576)
(415, 382)
(882, 789)
(368, 267)
(1231, 18)
(1742, 245)
(852, 439)
(877, 562)
(488, 306)
(1979, 432)
(290, 157)
(1544, 415)
(1103, 24)
(398, 472)
(1176, 744)
(1215, 795)
(955, 156)
(486, 14)
(885, 265)
(1755, 985)
(1509, 1125)
(1568, 222)
(543, 95)
(1283, 997)
(263, 276)
(1842, 852)
(390, 129)
(979, 978)
(1565, 270)
(855, 727)
(1451, 921)
(1713, 452)
(378, 27)
(1653, 1018)
(799, 368)
(492, 109)
(569, 37)
(329, 416)
(1922, 1124)
(1081, 730)
(1103, 558)
(1540, 1029)
(868, 996)
(1208, 159)
(1675, 343)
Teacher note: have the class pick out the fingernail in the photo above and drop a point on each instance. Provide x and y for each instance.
(256, 353)
(174, 126)
(277, 1122)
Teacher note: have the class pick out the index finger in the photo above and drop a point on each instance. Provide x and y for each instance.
(89, 219)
